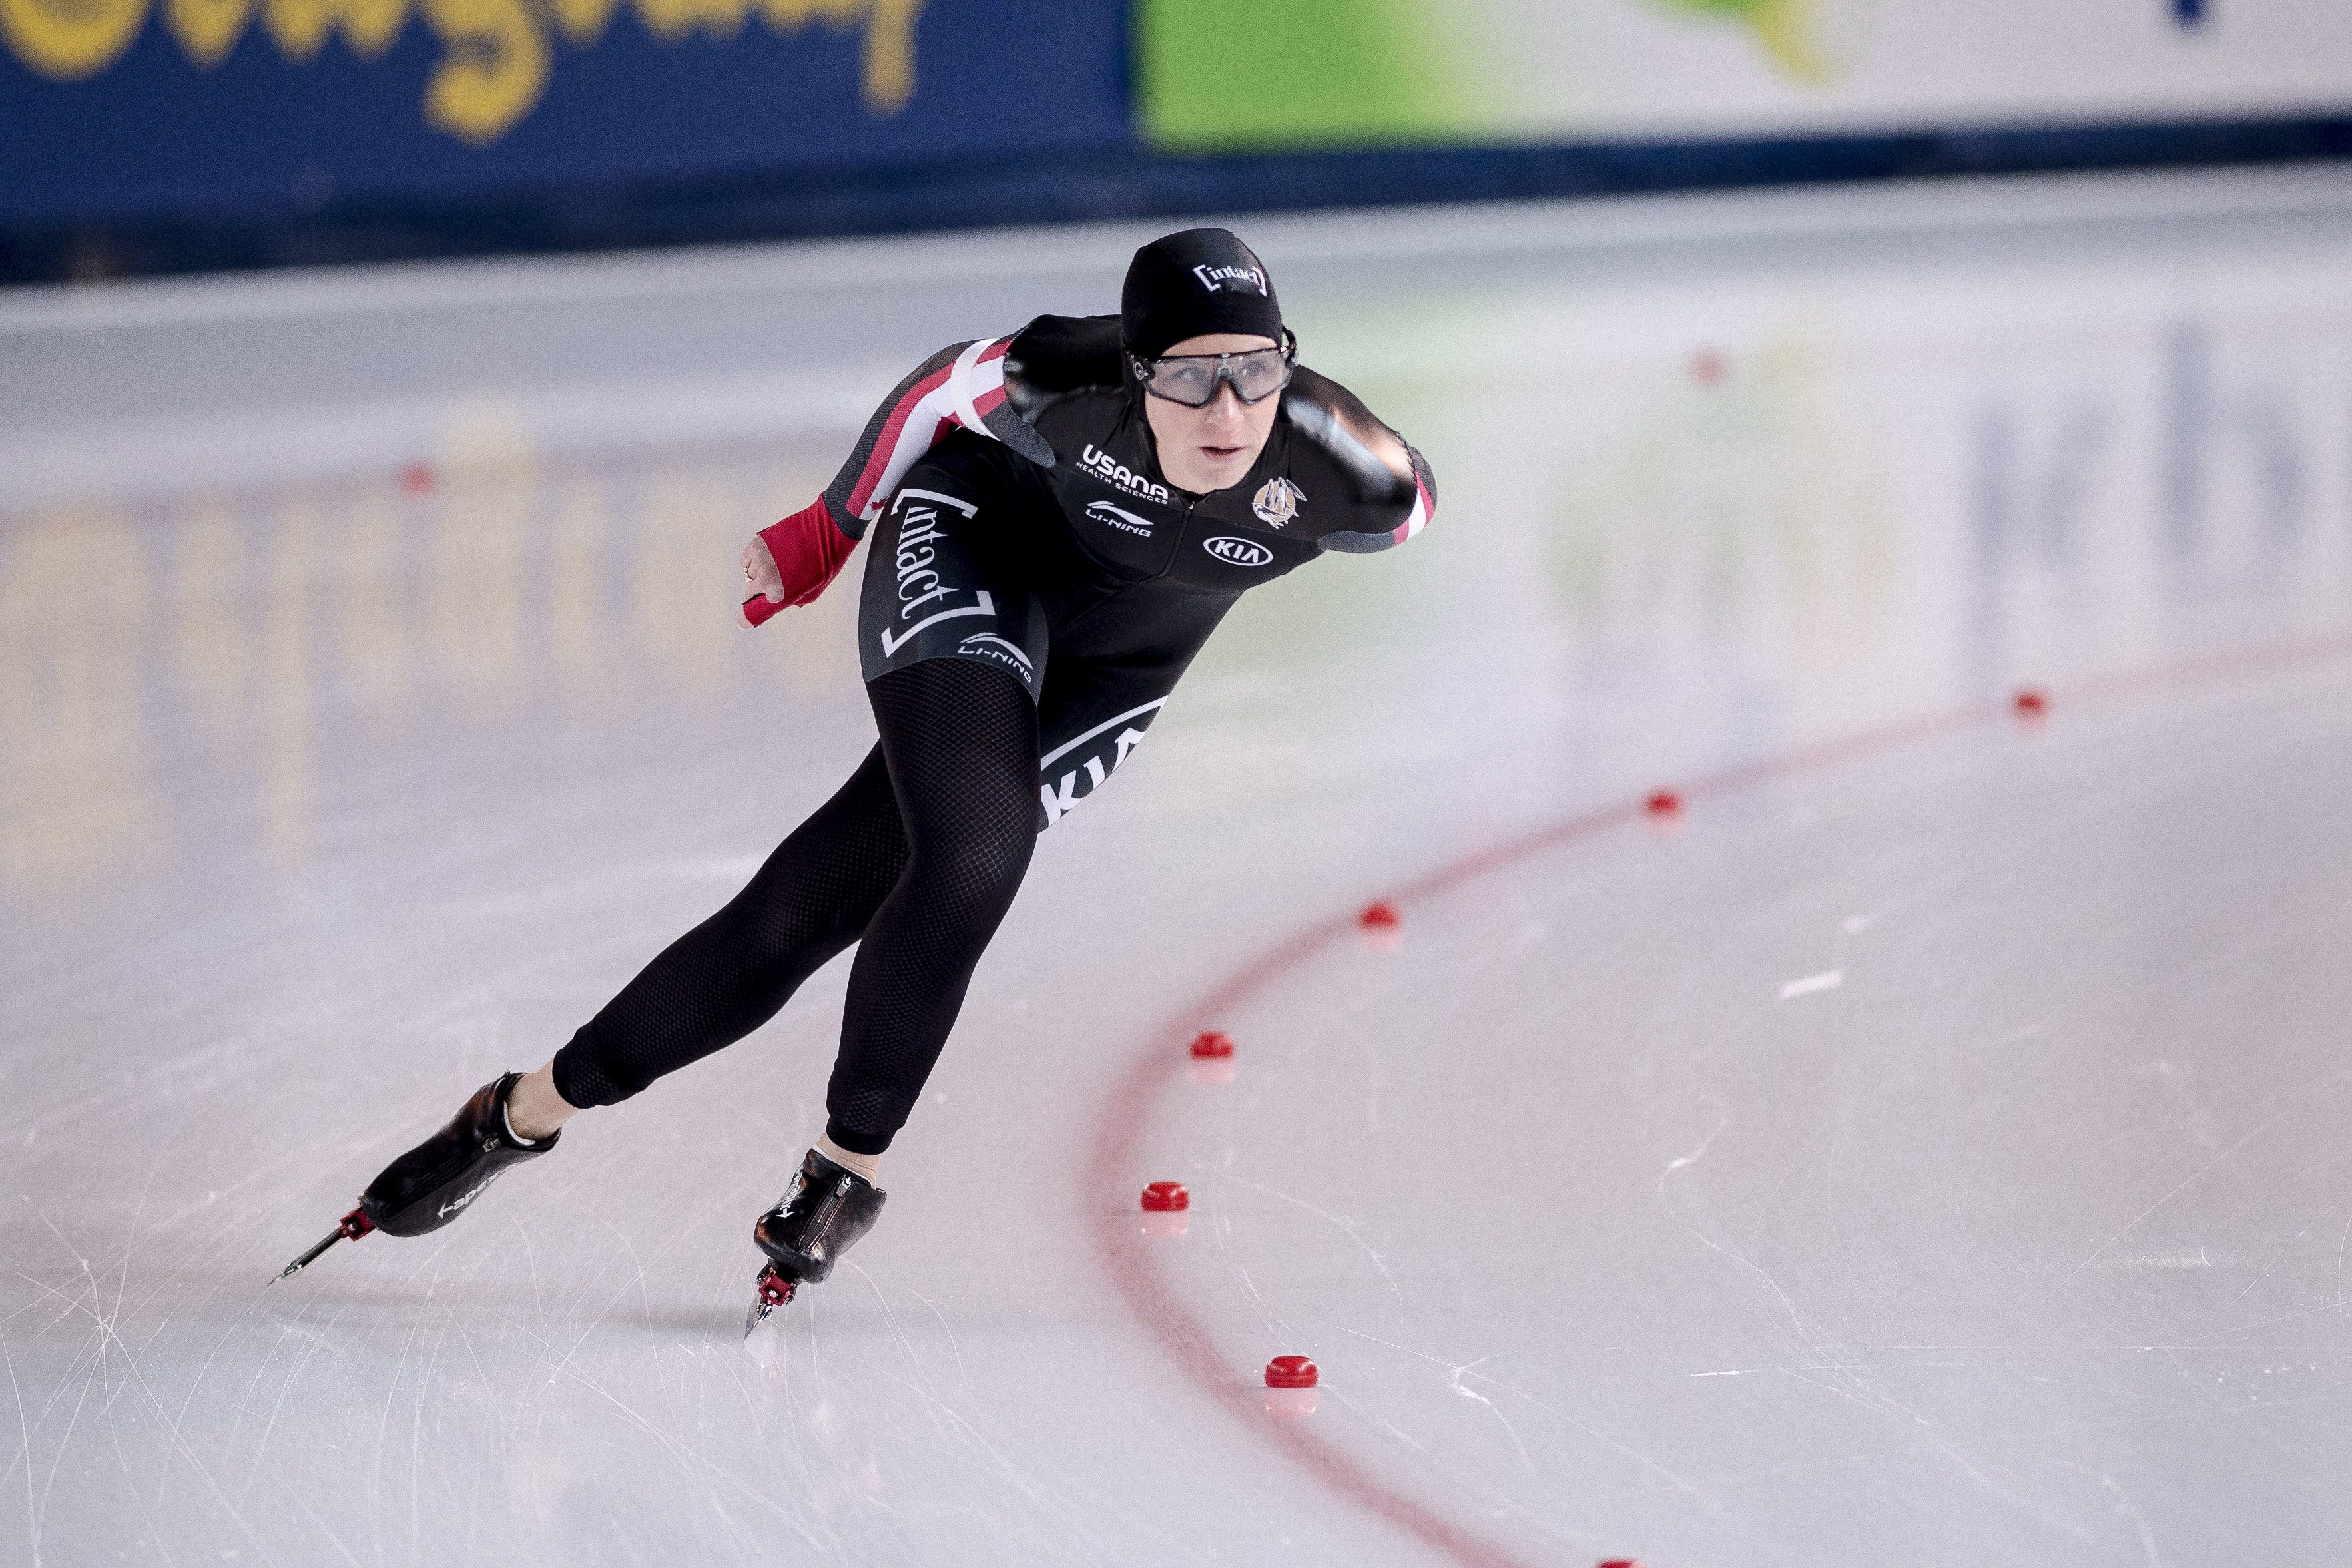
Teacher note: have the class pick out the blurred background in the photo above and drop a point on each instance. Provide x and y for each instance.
(160, 135)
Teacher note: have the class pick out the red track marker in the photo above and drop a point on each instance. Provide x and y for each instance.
(1127, 1116)
(417, 478)
(1663, 803)
(1380, 916)
(1212, 1059)
(1164, 1203)
(1291, 1372)
(2030, 703)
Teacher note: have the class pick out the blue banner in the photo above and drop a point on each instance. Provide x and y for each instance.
(130, 107)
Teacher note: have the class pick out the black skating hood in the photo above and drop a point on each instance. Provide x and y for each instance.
(1192, 283)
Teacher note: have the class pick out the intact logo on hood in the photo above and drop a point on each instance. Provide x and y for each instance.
(1214, 278)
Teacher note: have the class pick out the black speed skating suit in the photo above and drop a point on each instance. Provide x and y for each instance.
(1035, 589)
(1032, 530)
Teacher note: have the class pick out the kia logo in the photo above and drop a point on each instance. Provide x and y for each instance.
(1237, 552)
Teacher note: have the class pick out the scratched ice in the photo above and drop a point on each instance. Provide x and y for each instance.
(1928, 1149)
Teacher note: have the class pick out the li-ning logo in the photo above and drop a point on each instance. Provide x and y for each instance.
(1237, 552)
(1118, 518)
(1004, 651)
(1105, 468)
(1277, 502)
(1213, 279)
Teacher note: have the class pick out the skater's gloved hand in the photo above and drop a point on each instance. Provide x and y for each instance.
(791, 562)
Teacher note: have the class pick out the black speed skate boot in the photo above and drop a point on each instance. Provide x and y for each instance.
(821, 1215)
(439, 1180)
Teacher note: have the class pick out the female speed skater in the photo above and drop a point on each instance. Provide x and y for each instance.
(1060, 519)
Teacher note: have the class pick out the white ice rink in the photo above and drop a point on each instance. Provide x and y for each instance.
(1933, 1147)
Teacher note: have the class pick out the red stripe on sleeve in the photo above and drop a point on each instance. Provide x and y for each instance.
(886, 445)
(1428, 511)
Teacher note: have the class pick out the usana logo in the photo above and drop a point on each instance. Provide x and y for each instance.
(1110, 470)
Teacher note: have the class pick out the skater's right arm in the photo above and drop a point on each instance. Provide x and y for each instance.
(960, 387)
(791, 562)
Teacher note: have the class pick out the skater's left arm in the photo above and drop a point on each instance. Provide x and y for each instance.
(1394, 491)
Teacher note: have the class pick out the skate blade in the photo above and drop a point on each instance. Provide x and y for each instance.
(307, 1258)
(351, 1226)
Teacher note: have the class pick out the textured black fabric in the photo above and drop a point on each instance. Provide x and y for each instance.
(921, 853)
(961, 742)
(1194, 282)
(730, 974)
(971, 563)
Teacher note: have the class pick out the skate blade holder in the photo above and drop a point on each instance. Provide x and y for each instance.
(774, 1289)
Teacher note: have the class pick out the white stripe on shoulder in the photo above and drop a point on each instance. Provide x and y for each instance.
(1418, 518)
(970, 378)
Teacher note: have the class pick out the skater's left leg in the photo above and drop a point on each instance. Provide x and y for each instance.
(960, 737)
(535, 1107)
(961, 740)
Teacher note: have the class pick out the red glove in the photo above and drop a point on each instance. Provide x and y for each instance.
(810, 549)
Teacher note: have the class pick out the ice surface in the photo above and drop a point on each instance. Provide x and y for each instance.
(1928, 1148)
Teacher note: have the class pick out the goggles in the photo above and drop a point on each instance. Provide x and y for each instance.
(1192, 380)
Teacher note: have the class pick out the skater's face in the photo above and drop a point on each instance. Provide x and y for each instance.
(1209, 448)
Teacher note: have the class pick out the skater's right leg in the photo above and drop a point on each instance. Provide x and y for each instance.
(710, 987)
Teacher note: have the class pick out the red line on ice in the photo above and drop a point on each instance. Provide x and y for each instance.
(1114, 1162)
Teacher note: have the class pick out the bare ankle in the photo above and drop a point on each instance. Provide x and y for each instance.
(870, 1166)
(534, 1110)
